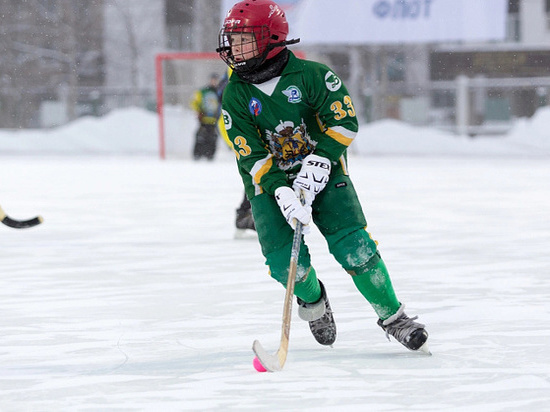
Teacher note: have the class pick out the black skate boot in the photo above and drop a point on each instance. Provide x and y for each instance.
(410, 334)
(319, 316)
(244, 220)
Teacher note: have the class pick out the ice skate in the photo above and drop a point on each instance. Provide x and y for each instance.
(406, 331)
(245, 225)
(320, 318)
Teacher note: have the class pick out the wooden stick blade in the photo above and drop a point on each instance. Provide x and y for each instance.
(271, 363)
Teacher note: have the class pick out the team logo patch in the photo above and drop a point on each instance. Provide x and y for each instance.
(293, 93)
(332, 82)
(227, 121)
(255, 106)
(289, 143)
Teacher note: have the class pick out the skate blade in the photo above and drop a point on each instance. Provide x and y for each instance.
(425, 349)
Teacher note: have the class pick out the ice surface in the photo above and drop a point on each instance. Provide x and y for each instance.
(133, 294)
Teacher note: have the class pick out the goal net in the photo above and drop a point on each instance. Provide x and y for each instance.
(178, 76)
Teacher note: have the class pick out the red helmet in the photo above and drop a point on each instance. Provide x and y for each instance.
(265, 20)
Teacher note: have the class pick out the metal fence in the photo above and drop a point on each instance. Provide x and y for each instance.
(467, 106)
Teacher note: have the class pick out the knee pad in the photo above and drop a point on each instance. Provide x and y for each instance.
(356, 252)
(279, 264)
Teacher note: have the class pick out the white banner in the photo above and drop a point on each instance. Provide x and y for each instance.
(394, 21)
(398, 21)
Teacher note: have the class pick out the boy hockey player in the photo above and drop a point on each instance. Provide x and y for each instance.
(290, 122)
(206, 104)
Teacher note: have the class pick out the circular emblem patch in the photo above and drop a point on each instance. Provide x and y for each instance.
(332, 81)
(293, 93)
(227, 122)
(255, 106)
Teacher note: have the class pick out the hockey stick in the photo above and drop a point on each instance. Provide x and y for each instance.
(273, 363)
(19, 224)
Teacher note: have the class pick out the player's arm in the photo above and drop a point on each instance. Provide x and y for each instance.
(256, 160)
(335, 112)
(337, 129)
(250, 149)
(196, 101)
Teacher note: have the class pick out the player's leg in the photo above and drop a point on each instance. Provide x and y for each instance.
(211, 137)
(275, 236)
(196, 147)
(198, 150)
(339, 216)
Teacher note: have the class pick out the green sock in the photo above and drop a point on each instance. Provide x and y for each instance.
(375, 285)
(308, 289)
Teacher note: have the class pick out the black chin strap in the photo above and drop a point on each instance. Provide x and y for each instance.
(283, 43)
(268, 69)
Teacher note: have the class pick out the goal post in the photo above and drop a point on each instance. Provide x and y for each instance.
(178, 76)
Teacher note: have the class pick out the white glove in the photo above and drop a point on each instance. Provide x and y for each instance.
(292, 209)
(313, 176)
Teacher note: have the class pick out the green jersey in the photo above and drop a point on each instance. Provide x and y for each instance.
(206, 103)
(274, 125)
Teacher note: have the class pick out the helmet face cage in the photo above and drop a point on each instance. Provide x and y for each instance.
(243, 62)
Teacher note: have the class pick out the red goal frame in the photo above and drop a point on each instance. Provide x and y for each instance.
(159, 59)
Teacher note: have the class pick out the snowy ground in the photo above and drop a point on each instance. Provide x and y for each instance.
(133, 294)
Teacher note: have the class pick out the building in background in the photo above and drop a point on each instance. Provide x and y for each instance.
(61, 59)
(48, 50)
(136, 31)
(467, 66)
(497, 81)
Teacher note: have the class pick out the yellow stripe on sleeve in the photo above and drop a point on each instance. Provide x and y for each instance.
(344, 165)
(341, 135)
(261, 167)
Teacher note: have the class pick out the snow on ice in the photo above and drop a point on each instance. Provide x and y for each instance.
(134, 295)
